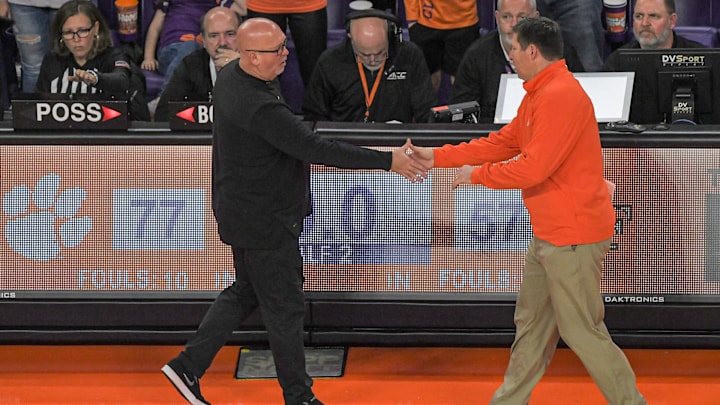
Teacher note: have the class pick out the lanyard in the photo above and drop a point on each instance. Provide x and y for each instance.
(369, 97)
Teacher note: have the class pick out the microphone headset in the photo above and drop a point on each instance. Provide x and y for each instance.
(394, 29)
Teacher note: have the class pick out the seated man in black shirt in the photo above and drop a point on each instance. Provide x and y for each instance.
(371, 77)
(194, 77)
(478, 76)
(653, 25)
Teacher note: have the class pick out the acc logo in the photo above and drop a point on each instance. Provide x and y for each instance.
(42, 222)
(204, 114)
(397, 76)
(77, 112)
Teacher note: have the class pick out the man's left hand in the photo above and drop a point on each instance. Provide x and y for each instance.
(463, 176)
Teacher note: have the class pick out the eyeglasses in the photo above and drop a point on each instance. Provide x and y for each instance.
(277, 51)
(81, 33)
(371, 57)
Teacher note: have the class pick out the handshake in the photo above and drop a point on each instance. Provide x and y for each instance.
(412, 162)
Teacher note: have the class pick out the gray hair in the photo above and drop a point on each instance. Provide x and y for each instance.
(533, 4)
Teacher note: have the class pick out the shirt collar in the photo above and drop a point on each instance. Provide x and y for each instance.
(507, 56)
(545, 75)
(213, 71)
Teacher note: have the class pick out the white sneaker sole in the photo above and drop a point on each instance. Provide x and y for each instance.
(177, 381)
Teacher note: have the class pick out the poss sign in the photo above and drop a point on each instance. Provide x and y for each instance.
(69, 114)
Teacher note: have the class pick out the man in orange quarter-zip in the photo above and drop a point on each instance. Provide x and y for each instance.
(552, 152)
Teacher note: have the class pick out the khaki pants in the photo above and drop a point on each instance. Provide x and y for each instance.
(560, 297)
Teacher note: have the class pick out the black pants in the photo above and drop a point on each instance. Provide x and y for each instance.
(271, 279)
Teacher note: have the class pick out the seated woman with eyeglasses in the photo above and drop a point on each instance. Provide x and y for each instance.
(82, 59)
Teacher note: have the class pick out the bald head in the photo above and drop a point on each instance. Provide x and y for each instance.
(369, 32)
(369, 37)
(262, 46)
(219, 15)
(257, 33)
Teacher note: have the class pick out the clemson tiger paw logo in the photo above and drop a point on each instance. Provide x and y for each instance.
(42, 220)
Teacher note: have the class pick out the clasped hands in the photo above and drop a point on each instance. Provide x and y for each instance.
(84, 76)
(413, 163)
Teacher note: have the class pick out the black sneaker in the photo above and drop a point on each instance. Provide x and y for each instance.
(312, 401)
(184, 381)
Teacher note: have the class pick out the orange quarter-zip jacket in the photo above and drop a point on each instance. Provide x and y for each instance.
(552, 152)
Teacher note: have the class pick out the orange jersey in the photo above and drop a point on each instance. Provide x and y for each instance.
(442, 14)
(285, 6)
(552, 152)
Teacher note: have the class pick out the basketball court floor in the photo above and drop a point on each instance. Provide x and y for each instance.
(124, 375)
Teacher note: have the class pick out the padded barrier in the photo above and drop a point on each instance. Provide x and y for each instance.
(708, 36)
(697, 13)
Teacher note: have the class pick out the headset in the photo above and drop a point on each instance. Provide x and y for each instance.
(394, 29)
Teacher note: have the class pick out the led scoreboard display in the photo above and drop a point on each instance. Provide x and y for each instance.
(136, 221)
(371, 218)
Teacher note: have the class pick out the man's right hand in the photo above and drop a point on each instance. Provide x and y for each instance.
(223, 56)
(406, 165)
(426, 156)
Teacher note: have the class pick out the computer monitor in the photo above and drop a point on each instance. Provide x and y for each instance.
(609, 93)
(680, 85)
